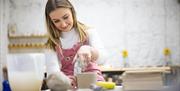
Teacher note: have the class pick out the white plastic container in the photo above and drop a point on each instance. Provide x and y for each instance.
(26, 71)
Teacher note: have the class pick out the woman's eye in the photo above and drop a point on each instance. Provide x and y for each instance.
(66, 17)
(56, 21)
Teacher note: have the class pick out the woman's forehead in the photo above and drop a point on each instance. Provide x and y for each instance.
(59, 12)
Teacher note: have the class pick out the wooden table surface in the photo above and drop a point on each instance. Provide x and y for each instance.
(117, 88)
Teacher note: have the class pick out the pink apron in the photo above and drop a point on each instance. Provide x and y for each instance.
(67, 58)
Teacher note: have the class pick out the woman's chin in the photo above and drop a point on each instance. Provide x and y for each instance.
(66, 30)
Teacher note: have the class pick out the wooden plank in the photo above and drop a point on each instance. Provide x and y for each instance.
(137, 69)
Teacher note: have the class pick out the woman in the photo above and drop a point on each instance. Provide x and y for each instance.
(71, 40)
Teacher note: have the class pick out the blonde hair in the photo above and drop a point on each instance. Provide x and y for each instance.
(54, 34)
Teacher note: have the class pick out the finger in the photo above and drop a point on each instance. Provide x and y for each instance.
(73, 81)
(75, 58)
(81, 57)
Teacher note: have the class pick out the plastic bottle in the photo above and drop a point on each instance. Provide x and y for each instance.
(78, 66)
(6, 86)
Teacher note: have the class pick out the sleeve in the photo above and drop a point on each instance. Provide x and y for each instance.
(52, 64)
(95, 41)
(56, 80)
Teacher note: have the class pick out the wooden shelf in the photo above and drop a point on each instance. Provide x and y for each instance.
(111, 69)
(30, 45)
(137, 69)
(27, 36)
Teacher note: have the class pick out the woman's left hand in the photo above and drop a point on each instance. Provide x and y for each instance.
(87, 53)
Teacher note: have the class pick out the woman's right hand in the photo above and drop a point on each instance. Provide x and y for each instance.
(58, 81)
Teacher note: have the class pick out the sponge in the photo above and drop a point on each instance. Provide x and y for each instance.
(106, 85)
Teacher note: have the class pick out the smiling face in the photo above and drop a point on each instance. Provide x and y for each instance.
(62, 19)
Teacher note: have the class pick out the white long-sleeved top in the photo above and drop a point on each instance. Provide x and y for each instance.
(72, 37)
(68, 39)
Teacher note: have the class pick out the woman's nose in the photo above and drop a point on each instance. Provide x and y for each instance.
(63, 24)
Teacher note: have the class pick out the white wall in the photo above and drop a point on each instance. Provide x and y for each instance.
(4, 12)
(143, 27)
(1, 17)
(28, 15)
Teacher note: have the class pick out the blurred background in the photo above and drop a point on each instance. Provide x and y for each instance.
(145, 29)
